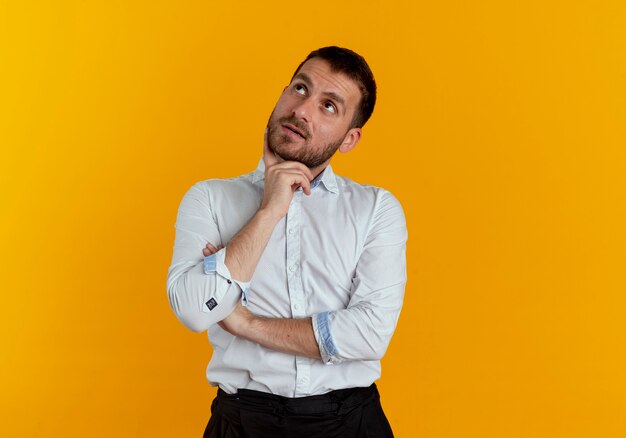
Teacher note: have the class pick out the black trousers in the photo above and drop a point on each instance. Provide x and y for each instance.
(345, 413)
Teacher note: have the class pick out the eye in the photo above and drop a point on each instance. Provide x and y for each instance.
(300, 89)
(330, 107)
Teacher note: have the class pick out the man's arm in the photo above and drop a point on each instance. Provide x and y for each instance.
(363, 330)
(202, 292)
(282, 179)
(197, 297)
(292, 336)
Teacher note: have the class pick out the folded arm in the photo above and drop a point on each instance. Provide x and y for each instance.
(204, 291)
(363, 330)
(199, 295)
(292, 336)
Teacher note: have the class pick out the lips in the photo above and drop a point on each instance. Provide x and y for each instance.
(292, 128)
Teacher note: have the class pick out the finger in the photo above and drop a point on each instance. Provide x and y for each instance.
(209, 249)
(291, 176)
(294, 166)
(300, 180)
(296, 179)
(306, 187)
(269, 157)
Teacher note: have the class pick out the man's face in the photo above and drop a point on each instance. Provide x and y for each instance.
(311, 120)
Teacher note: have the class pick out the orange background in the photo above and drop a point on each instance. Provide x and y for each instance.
(500, 126)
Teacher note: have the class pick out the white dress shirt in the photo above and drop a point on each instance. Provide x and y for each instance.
(338, 256)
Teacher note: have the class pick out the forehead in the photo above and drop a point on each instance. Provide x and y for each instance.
(324, 80)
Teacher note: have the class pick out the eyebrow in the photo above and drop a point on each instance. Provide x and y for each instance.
(334, 96)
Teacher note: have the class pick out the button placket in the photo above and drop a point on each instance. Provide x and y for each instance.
(294, 281)
(294, 284)
(303, 376)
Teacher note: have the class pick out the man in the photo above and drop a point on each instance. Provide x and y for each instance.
(297, 274)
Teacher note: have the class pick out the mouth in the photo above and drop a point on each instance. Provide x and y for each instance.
(293, 131)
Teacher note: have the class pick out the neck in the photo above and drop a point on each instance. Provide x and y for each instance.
(316, 171)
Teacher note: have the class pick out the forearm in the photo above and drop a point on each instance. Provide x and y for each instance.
(245, 249)
(293, 336)
(281, 180)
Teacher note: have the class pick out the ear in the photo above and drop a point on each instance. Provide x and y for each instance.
(350, 140)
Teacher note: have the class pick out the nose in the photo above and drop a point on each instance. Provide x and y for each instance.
(303, 110)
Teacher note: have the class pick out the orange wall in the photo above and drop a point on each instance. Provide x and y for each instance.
(500, 126)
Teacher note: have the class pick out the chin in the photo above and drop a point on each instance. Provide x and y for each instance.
(284, 148)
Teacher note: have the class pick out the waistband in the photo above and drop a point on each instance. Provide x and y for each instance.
(339, 401)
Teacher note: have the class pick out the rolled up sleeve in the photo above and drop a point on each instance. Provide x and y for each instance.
(363, 330)
(200, 289)
(215, 264)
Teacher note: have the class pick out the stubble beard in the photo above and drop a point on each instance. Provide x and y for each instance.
(308, 154)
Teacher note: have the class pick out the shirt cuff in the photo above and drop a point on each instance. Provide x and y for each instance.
(325, 341)
(214, 264)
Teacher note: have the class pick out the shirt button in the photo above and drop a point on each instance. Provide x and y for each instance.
(296, 306)
(291, 231)
(292, 268)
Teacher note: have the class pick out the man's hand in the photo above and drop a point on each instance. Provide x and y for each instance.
(210, 249)
(238, 321)
(281, 181)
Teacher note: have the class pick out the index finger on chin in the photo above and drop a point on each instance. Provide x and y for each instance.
(269, 158)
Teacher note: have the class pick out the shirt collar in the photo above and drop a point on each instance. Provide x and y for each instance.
(326, 178)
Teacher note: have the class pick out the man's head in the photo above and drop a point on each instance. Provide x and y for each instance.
(355, 67)
(331, 95)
